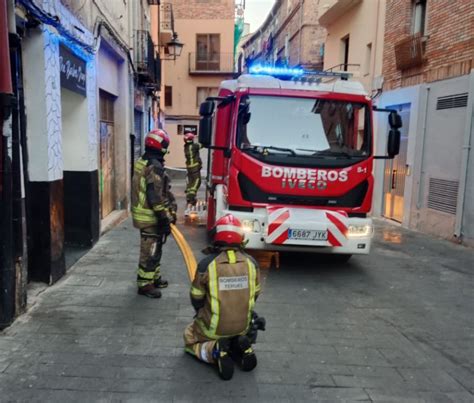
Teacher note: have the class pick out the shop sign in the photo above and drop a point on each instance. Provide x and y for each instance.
(190, 129)
(73, 71)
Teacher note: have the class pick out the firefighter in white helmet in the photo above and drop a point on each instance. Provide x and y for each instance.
(223, 293)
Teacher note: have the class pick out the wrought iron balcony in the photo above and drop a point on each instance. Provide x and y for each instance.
(410, 52)
(211, 63)
(146, 59)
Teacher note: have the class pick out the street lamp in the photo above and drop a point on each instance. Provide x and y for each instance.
(175, 47)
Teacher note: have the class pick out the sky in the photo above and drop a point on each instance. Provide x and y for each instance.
(256, 12)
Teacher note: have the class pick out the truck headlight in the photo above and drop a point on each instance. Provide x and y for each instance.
(250, 226)
(360, 231)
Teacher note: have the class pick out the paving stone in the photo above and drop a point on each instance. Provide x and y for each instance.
(394, 326)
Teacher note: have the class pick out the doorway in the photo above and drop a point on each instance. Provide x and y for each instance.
(396, 171)
(106, 175)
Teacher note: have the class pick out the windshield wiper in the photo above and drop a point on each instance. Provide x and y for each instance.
(261, 149)
(327, 152)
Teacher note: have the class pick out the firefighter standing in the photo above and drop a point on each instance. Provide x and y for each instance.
(153, 210)
(223, 294)
(193, 167)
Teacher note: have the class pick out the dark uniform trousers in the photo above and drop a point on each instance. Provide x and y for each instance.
(224, 291)
(193, 184)
(193, 166)
(151, 245)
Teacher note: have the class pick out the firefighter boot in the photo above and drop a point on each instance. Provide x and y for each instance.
(160, 283)
(225, 365)
(243, 354)
(149, 291)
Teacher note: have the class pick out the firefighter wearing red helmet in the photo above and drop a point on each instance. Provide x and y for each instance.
(193, 167)
(153, 210)
(223, 293)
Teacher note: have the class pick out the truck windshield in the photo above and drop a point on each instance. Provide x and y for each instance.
(303, 127)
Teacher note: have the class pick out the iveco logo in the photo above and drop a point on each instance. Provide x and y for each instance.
(303, 184)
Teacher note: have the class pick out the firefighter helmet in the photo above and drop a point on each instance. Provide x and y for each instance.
(157, 139)
(228, 230)
(188, 137)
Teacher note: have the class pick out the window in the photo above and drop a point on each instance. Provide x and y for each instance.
(168, 95)
(325, 127)
(368, 58)
(106, 107)
(203, 92)
(419, 17)
(208, 52)
(345, 52)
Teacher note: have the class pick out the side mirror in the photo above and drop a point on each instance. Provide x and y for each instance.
(207, 108)
(394, 120)
(393, 143)
(205, 131)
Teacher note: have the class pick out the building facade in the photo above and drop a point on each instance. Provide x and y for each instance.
(290, 36)
(81, 95)
(428, 78)
(207, 31)
(355, 38)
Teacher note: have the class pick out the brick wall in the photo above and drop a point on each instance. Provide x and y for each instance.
(449, 44)
(203, 9)
(297, 21)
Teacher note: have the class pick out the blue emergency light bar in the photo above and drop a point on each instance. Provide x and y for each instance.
(295, 72)
(276, 71)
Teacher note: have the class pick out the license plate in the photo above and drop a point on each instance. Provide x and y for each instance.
(307, 235)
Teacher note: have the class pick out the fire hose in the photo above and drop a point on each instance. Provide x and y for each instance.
(186, 251)
(257, 322)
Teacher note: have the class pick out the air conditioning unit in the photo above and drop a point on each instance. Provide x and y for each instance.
(166, 22)
(377, 83)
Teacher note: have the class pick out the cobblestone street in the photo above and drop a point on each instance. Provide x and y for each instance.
(394, 326)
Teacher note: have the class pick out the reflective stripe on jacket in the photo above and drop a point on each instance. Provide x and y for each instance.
(191, 152)
(228, 285)
(145, 208)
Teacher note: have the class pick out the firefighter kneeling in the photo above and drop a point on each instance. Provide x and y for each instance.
(153, 210)
(223, 293)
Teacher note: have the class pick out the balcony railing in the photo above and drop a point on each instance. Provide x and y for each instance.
(146, 59)
(410, 52)
(211, 63)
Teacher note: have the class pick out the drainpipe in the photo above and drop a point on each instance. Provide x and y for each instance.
(301, 32)
(7, 274)
(466, 148)
(419, 200)
(375, 42)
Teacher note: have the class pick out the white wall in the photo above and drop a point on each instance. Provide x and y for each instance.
(107, 77)
(75, 124)
(43, 105)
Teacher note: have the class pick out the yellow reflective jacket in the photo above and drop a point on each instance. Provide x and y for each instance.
(193, 159)
(159, 202)
(224, 291)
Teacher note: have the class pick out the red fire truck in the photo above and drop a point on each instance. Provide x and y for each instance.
(292, 159)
